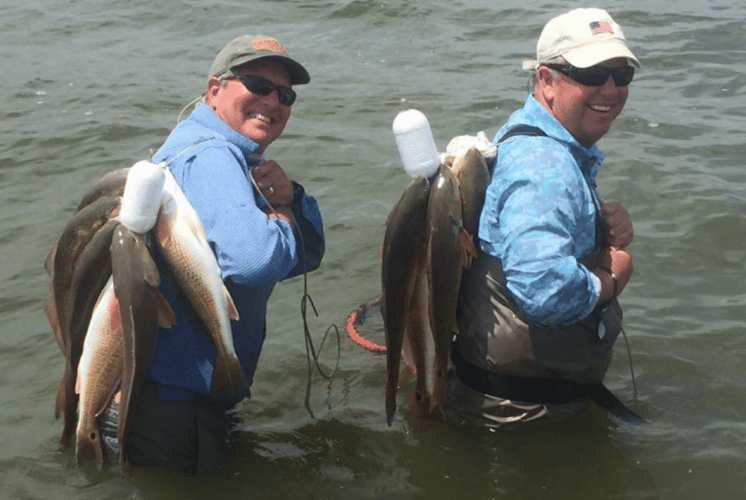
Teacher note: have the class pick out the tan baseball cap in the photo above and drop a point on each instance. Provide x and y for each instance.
(584, 37)
(247, 48)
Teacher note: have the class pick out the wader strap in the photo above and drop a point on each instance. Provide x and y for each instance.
(538, 390)
(522, 130)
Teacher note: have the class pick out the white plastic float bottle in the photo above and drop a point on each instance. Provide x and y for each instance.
(142, 195)
(414, 139)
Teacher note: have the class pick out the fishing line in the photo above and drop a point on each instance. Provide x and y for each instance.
(311, 352)
(629, 353)
(631, 368)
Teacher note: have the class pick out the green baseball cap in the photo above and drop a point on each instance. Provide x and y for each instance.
(247, 48)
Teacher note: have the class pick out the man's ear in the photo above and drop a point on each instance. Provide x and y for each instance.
(545, 91)
(213, 87)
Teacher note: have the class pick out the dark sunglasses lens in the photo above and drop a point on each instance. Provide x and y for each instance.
(597, 76)
(262, 86)
(255, 85)
(286, 96)
(624, 76)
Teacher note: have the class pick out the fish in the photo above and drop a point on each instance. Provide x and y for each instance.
(417, 349)
(183, 244)
(473, 178)
(99, 373)
(50, 309)
(90, 274)
(404, 239)
(135, 279)
(77, 234)
(50, 301)
(110, 184)
(449, 247)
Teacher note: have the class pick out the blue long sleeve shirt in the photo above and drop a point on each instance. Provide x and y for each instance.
(539, 218)
(212, 164)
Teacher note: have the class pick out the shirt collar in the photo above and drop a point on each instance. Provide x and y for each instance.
(205, 116)
(534, 113)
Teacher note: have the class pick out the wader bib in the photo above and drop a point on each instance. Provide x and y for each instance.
(500, 353)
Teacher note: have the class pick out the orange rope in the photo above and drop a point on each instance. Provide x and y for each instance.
(356, 318)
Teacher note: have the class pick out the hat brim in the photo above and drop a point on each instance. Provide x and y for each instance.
(590, 55)
(298, 74)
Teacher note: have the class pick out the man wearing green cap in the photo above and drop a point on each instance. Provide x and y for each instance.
(538, 312)
(262, 231)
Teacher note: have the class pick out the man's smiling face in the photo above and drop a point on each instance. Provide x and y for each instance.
(260, 118)
(586, 112)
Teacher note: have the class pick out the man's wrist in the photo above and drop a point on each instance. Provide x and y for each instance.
(614, 281)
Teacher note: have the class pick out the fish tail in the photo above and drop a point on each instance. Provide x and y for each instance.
(419, 404)
(88, 445)
(228, 376)
(59, 401)
(68, 429)
(70, 407)
(439, 387)
(391, 399)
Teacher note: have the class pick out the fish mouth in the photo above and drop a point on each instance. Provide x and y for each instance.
(258, 116)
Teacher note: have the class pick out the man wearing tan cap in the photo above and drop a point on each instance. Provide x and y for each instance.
(214, 154)
(538, 313)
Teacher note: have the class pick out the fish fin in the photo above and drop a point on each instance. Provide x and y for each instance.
(166, 315)
(162, 232)
(50, 309)
(112, 396)
(49, 261)
(232, 311)
(468, 249)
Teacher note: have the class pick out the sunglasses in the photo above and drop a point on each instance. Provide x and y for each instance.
(261, 86)
(595, 76)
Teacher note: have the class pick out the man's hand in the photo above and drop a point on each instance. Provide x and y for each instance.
(618, 223)
(273, 183)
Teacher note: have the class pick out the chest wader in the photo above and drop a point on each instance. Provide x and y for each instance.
(501, 353)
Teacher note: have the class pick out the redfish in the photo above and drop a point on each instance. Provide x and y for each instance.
(404, 240)
(182, 241)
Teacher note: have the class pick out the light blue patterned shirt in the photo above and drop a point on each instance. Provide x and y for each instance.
(539, 218)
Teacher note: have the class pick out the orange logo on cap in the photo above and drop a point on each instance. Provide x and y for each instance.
(269, 44)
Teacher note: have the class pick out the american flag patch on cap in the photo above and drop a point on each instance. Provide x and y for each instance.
(600, 27)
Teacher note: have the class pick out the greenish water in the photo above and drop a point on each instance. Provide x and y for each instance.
(87, 88)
